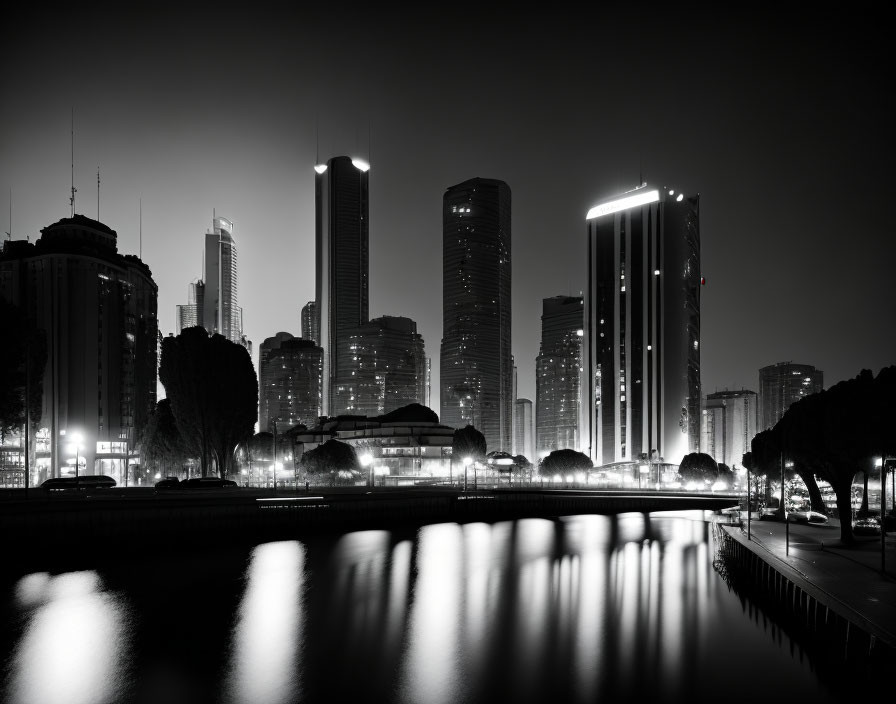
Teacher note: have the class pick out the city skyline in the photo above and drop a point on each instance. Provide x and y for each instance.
(782, 133)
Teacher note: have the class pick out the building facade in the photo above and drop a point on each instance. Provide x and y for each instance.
(641, 351)
(212, 302)
(309, 327)
(523, 430)
(97, 310)
(389, 366)
(781, 385)
(557, 380)
(289, 382)
(476, 364)
(729, 422)
(342, 271)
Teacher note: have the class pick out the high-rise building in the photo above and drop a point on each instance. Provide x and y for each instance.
(98, 312)
(190, 314)
(557, 380)
(310, 330)
(729, 421)
(213, 302)
(342, 263)
(641, 352)
(389, 366)
(524, 437)
(781, 385)
(476, 365)
(290, 370)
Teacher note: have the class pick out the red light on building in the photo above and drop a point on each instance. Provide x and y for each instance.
(703, 281)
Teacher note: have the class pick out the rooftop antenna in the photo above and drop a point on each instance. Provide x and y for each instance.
(317, 140)
(9, 232)
(72, 199)
(97, 193)
(141, 231)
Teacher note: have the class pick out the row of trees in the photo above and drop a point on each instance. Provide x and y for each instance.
(833, 435)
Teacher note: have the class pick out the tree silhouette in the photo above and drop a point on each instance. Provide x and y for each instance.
(214, 394)
(698, 467)
(468, 442)
(162, 445)
(565, 460)
(331, 457)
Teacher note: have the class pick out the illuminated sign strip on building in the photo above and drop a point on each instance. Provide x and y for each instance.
(623, 204)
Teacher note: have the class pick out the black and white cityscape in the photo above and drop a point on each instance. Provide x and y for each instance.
(461, 354)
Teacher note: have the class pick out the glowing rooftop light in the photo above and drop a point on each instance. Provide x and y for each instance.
(360, 165)
(580, 332)
(320, 168)
(680, 196)
(623, 204)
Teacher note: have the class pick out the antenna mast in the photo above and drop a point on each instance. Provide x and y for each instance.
(97, 193)
(141, 231)
(9, 233)
(72, 199)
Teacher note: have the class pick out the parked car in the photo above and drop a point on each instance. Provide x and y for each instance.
(85, 482)
(208, 483)
(168, 483)
(770, 513)
(869, 525)
(806, 516)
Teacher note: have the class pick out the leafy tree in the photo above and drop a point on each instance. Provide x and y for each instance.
(214, 394)
(698, 467)
(468, 442)
(412, 413)
(331, 457)
(726, 474)
(564, 461)
(837, 432)
(163, 447)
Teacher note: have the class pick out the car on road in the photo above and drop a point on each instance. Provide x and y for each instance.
(770, 513)
(806, 516)
(85, 482)
(208, 483)
(168, 483)
(870, 525)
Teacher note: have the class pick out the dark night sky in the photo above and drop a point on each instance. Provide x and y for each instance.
(782, 122)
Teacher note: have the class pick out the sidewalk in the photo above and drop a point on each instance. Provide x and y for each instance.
(847, 579)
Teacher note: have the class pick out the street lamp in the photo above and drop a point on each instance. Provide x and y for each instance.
(367, 461)
(77, 439)
(467, 462)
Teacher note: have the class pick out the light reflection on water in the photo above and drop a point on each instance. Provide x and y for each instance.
(574, 610)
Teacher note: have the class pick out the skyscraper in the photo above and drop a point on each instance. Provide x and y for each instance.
(641, 368)
(476, 363)
(98, 312)
(289, 382)
(523, 437)
(310, 330)
(213, 302)
(781, 385)
(389, 366)
(729, 422)
(341, 250)
(557, 380)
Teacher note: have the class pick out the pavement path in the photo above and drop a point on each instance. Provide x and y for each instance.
(849, 579)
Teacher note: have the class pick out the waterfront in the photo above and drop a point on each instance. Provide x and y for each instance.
(578, 609)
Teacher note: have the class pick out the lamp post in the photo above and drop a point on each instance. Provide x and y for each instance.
(467, 462)
(77, 438)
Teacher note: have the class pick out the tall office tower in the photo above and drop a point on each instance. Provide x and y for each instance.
(220, 312)
(190, 315)
(476, 365)
(524, 437)
(389, 366)
(729, 424)
(98, 312)
(428, 397)
(310, 329)
(289, 374)
(557, 382)
(641, 352)
(782, 384)
(341, 284)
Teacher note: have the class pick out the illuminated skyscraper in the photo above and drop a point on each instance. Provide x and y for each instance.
(97, 311)
(557, 380)
(728, 425)
(523, 437)
(783, 384)
(476, 363)
(289, 382)
(341, 249)
(310, 320)
(641, 368)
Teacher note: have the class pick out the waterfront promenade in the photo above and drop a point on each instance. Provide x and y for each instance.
(848, 580)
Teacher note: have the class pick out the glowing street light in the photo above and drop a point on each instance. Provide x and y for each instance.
(467, 462)
(367, 461)
(77, 439)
